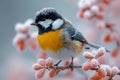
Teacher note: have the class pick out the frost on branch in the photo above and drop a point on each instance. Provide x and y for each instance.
(104, 72)
(100, 71)
(48, 64)
(24, 38)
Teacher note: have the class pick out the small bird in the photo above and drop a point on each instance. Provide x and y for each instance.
(57, 37)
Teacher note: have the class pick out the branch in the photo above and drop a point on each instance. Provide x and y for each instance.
(65, 67)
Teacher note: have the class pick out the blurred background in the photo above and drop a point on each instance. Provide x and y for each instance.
(14, 62)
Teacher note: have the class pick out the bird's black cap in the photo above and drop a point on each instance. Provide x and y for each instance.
(47, 13)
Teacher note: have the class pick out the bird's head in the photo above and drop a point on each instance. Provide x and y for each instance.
(48, 19)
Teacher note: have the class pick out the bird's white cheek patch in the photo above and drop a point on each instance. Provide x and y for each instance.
(46, 23)
(57, 24)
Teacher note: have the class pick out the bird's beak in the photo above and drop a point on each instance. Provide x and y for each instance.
(35, 24)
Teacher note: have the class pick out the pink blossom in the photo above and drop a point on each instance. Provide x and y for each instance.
(68, 73)
(49, 62)
(114, 36)
(100, 52)
(95, 9)
(93, 63)
(75, 61)
(66, 63)
(114, 71)
(101, 24)
(42, 62)
(53, 73)
(114, 52)
(102, 72)
(93, 1)
(36, 67)
(19, 27)
(86, 66)
(106, 38)
(84, 4)
(28, 23)
(23, 28)
(88, 55)
(43, 55)
(87, 14)
(19, 37)
(80, 14)
(40, 73)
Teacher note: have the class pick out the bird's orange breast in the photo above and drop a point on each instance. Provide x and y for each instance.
(51, 41)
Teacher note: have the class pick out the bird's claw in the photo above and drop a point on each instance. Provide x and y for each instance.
(71, 65)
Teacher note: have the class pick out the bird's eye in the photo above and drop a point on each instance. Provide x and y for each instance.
(43, 19)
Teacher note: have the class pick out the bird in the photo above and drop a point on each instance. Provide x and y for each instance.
(58, 37)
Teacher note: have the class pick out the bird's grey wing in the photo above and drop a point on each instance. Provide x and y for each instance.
(74, 34)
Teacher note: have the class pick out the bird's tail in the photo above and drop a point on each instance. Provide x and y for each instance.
(96, 46)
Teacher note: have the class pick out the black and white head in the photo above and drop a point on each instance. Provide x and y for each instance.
(48, 19)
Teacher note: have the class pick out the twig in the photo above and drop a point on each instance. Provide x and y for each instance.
(65, 67)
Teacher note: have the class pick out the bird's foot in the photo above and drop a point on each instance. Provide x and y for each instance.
(71, 65)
